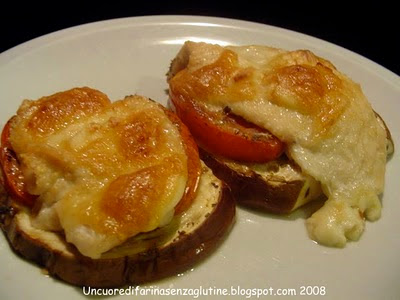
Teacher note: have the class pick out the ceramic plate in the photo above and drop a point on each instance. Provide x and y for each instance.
(128, 56)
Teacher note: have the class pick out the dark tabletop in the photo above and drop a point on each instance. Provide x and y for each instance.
(372, 31)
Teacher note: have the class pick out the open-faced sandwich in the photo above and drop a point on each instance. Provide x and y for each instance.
(103, 194)
(281, 128)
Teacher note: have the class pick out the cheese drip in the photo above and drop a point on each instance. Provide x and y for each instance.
(328, 125)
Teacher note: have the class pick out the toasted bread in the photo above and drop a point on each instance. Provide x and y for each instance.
(278, 186)
(147, 257)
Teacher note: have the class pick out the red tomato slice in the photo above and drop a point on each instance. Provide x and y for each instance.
(12, 175)
(193, 161)
(226, 134)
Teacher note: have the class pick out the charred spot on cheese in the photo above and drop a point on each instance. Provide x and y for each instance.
(103, 171)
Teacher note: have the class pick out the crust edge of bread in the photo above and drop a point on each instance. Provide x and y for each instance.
(186, 248)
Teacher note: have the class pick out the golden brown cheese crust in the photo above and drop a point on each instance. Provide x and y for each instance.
(48, 114)
(220, 79)
(311, 90)
(103, 171)
(297, 80)
(328, 125)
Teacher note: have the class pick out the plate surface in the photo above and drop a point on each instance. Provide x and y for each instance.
(128, 56)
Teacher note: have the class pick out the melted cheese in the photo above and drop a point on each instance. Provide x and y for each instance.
(323, 116)
(103, 172)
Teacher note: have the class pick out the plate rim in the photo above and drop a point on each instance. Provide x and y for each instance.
(194, 20)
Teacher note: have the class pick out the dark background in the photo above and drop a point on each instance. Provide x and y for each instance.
(370, 30)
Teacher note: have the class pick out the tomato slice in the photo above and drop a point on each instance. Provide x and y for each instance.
(12, 175)
(193, 161)
(226, 134)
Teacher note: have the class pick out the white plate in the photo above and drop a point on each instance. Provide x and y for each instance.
(128, 56)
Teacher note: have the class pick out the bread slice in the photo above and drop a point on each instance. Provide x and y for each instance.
(278, 186)
(149, 256)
